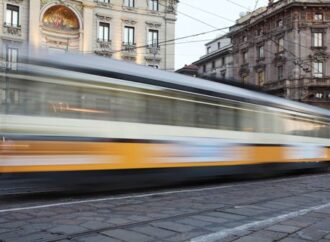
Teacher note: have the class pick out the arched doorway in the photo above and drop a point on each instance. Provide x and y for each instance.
(60, 29)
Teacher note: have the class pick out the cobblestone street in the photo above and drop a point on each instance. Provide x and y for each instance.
(284, 209)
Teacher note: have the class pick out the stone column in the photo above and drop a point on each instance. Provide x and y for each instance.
(88, 26)
(34, 25)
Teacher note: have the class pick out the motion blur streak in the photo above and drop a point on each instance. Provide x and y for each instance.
(98, 117)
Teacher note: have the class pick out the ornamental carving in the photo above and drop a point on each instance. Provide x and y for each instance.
(129, 21)
(16, 1)
(103, 17)
(153, 24)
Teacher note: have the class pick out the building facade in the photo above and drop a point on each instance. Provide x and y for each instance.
(131, 30)
(217, 62)
(283, 48)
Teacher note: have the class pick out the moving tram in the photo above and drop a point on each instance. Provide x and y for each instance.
(101, 118)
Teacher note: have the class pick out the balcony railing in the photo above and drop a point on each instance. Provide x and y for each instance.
(104, 44)
(14, 30)
(129, 47)
(153, 48)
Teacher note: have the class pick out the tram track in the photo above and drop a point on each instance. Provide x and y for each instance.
(172, 217)
(193, 193)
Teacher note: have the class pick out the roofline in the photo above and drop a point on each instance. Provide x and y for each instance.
(246, 23)
(217, 38)
(213, 54)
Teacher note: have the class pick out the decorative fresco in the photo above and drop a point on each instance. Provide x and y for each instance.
(61, 18)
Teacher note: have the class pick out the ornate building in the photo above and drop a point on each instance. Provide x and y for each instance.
(283, 48)
(132, 30)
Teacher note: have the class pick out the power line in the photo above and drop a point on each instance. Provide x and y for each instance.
(208, 12)
(176, 39)
(239, 5)
(196, 19)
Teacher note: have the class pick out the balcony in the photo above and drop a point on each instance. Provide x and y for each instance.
(103, 48)
(275, 85)
(103, 3)
(244, 69)
(129, 49)
(317, 82)
(11, 30)
(153, 49)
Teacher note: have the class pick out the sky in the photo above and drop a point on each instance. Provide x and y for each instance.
(223, 13)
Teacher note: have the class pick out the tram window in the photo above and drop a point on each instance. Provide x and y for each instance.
(206, 116)
(227, 118)
(131, 107)
(296, 126)
(183, 113)
(159, 110)
(248, 121)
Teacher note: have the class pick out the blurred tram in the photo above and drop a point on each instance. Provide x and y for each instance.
(91, 115)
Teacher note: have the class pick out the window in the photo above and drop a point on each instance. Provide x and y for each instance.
(153, 5)
(129, 3)
(12, 15)
(318, 17)
(129, 35)
(104, 32)
(208, 50)
(244, 38)
(261, 77)
(223, 74)
(104, 1)
(259, 32)
(219, 45)
(245, 57)
(244, 79)
(223, 61)
(261, 52)
(280, 45)
(279, 23)
(280, 73)
(318, 69)
(12, 58)
(317, 39)
(204, 68)
(213, 64)
(319, 95)
(153, 37)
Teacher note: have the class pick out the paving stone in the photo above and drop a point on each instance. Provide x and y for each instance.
(296, 223)
(153, 231)
(97, 238)
(127, 235)
(311, 234)
(67, 229)
(176, 227)
(40, 236)
(323, 225)
(185, 236)
(283, 228)
(94, 225)
(269, 234)
(227, 216)
(217, 220)
(251, 238)
(289, 239)
(193, 222)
